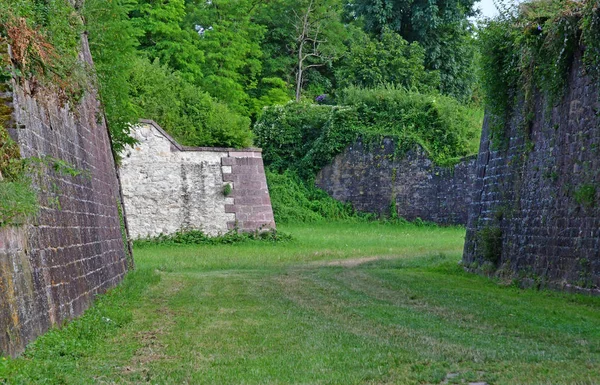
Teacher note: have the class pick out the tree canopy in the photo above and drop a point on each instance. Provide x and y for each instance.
(184, 60)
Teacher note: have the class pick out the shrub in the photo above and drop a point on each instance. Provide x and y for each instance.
(586, 195)
(491, 244)
(197, 237)
(306, 137)
(287, 133)
(295, 200)
(184, 110)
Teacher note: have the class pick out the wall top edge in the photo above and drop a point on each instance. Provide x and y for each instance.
(179, 147)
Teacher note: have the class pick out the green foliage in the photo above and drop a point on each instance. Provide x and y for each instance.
(446, 129)
(197, 237)
(10, 155)
(390, 59)
(113, 41)
(586, 195)
(230, 41)
(184, 110)
(45, 38)
(590, 25)
(283, 20)
(440, 27)
(287, 133)
(166, 37)
(491, 244)
(227, 190)
(18, 200)
(297, 201)
(531, 48)
(305, 137)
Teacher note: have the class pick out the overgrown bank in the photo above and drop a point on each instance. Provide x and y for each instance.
(300, 139)
(529, 49)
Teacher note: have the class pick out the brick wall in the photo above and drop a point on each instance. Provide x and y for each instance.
(51, 269)
(168, 187)
(371, 177)
(533, 193)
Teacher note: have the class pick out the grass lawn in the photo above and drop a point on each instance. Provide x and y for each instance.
(343, 303)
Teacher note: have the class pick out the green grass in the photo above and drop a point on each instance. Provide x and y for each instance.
(345, 303)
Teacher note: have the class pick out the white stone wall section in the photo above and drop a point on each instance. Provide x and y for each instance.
(168, 187)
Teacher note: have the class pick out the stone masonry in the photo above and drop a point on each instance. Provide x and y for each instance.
(168, 187)
(52, 268)
(372, 177)
(536, 203)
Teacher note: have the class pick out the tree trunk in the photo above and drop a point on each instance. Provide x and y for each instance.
(299, 82)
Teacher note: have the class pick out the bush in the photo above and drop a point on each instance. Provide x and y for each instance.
(184, 110)
(18, 200)
(491, 243)
(295, 200)
(286, 133)
(305, 137)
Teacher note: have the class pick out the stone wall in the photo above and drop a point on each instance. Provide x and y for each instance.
(51, 268)
(536, 204)
(168, 187)
(371, 177)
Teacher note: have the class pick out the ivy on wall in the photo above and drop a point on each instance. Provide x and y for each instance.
(306, 137)
(531, 47)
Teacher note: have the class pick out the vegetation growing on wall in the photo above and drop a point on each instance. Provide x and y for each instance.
(299, 139)
(44, 37)
(18, 200)
(295, 200)
(531, 47)
(306, 137)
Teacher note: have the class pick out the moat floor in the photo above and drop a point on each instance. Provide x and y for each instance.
(343, 303)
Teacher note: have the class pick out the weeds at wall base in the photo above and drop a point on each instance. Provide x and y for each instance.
(197, 237)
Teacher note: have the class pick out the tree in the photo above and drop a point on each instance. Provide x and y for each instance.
(113, 43)
(230, 40)
(440, 26)
(388, 60)
(164, 36)
(290, 28)
(311, 47)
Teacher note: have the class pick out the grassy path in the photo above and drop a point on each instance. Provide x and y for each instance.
(342, 304)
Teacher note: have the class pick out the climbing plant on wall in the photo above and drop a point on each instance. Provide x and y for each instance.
(531, 47)
(306, 137)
